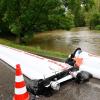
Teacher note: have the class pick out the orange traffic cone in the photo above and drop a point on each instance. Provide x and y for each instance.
(20, 88)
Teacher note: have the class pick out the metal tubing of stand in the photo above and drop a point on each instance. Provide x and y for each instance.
(56, 84)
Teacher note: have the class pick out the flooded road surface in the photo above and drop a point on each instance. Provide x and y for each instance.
(72, 91)
(69, 90)
(67, 41)
(7, 76)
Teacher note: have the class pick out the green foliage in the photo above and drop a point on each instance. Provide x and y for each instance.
(95, 20)
(87, 4)
(25, 17)
(78, 7)
(97, 5)
(75, 7)
(69, 21)
(79, 19)
(15, 28)
(97, 27)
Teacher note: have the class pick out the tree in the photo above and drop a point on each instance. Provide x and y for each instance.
(78, 7)
(87, 4)
(25, 17)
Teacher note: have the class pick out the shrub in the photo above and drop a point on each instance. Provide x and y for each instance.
(95, 21)
(97, 27)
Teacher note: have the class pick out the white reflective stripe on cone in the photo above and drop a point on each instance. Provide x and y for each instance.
(19, 78)
(19, 91)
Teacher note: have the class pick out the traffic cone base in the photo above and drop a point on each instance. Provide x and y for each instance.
(24, 96)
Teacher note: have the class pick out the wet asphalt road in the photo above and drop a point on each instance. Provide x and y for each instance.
(69, 90)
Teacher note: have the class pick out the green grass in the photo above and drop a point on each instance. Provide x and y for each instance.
(35, 50)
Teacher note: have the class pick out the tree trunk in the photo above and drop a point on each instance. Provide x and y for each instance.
(18, 39)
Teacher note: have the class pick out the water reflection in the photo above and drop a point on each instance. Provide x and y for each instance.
(67, 41)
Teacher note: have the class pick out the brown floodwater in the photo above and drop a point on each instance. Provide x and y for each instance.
(67, 41)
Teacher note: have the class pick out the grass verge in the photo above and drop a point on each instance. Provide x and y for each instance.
(35, 50)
